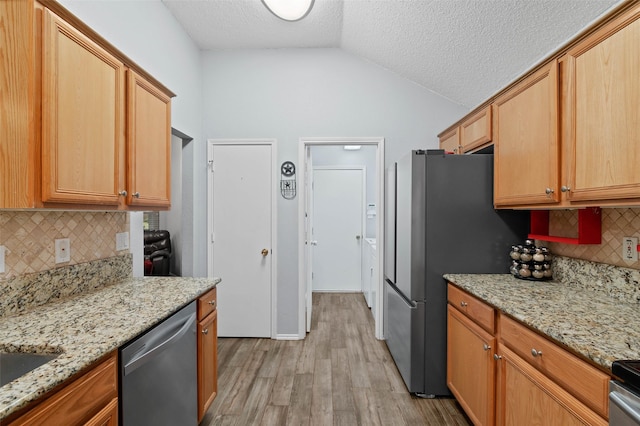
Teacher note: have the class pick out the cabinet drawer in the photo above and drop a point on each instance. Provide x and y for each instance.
(475, 309)
(79, 401)
(584, 381)
(207, 303)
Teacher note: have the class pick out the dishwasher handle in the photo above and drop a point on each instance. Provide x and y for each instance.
(625, 405)
(156, 350)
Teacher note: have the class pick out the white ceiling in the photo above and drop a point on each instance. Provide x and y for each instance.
(464, 50)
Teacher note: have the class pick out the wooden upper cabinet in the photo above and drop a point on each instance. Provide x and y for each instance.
(18, 159)
(450, 141)
(148, 144)
(82, 117)
(525, 136)
(601, 124)
(475, 131)
(74, 132)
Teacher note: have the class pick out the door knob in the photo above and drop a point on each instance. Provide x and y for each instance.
(265, 252)
(314, 243)
(357, 237)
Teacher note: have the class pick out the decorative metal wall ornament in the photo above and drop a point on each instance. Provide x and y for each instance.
(288, 180)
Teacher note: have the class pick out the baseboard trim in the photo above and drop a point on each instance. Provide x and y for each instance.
(289, 337)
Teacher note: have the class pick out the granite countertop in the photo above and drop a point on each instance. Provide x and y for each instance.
(594, 325)
(86, 327)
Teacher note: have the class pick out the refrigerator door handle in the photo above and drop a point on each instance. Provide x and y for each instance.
(410, 303)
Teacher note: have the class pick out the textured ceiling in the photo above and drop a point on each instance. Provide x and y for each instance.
(464, 50)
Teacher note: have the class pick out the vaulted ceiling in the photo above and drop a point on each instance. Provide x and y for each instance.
(464, 50)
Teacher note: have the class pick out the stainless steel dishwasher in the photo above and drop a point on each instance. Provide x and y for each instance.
(158, 374)
(624, 395)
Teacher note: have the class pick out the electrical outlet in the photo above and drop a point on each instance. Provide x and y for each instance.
(122, 241)
(630, 249)
(1, 259)
(63, 250)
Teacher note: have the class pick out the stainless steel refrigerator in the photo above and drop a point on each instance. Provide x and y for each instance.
(439, 218)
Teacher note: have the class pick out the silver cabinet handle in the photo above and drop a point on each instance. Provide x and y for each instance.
(565, 188)
(212, 302)
(464, 304)
(205, 331)
(497, 357)
(549, 191)
(136, 194)
(486, 347)
(535, 353)
(123, 193)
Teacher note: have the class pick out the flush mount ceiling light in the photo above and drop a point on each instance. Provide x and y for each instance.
(289, 10)
(352, 147)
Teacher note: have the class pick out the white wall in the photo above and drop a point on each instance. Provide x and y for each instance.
(147, 33)
(292, 93)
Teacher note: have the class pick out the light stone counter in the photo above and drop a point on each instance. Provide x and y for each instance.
(591, 323)
(85, 327)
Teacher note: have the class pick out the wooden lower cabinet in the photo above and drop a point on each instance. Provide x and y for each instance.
(504, 373)
(528, 397)
(471, 367)
(207, 351)
(91, 399)
(108, 416)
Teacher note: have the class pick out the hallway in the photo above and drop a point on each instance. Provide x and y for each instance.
(339, 375)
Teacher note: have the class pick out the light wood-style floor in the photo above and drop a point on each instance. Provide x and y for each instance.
(339, 375)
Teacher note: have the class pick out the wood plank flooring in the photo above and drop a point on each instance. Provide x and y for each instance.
(339, 375)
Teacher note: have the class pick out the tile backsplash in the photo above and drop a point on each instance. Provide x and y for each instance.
(616, 224)
(28, 237)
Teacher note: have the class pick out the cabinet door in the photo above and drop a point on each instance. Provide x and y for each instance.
(149, 144)
(471, 367)
(82, 118)
(525, 136)
(18, 160)
(602, 126)
(527, 397)
(451, 141)
(475, 131)
(207, 362)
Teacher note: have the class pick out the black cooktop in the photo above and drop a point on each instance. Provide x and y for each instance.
(628, 371)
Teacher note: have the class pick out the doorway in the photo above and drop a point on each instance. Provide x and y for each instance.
(174, 219)
(242, 232)
(375, 215)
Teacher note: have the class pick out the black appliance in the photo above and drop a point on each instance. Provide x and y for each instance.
(439, 218)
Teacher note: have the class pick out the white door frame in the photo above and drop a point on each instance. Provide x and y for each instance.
(274, 217)
(363, 208)
(302, 228)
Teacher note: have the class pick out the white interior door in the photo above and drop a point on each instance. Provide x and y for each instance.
(241, 194)
(337, 229)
